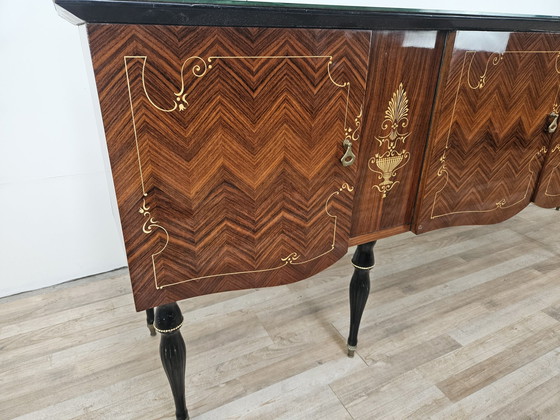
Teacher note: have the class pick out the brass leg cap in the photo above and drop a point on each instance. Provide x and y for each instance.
(351, 350)
(152, 329)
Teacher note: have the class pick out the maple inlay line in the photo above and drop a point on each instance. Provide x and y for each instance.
(199, 70)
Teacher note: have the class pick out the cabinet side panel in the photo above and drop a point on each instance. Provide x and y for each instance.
(487, 146)
(401, 89)
(225, 145)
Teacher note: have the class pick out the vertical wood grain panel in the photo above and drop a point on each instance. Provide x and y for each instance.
(401, 89)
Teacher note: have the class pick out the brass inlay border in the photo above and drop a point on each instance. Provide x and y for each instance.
(288, 260)
(199, 69)
(389, 162)
(363, 268)
(495, 58)
(169, 330)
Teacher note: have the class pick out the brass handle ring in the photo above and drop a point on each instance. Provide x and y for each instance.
(349, 157)
(552, 123)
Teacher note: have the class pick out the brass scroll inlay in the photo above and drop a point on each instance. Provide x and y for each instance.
(388, 163)
(200, 68)
(495, 59)
(148, 227)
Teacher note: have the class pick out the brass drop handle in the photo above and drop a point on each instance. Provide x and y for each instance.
(552, 122)
(349, 157)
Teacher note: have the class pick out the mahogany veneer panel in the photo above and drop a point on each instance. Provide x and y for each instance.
(488, 145)
(225, 146)
(401, 89)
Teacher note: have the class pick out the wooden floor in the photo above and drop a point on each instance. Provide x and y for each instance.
(462, 323)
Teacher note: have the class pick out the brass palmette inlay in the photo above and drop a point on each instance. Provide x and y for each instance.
(388, 163)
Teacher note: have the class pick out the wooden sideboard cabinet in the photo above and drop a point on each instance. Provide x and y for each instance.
(251, 145)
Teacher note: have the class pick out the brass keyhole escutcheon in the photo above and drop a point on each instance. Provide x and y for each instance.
(349, 157)
(552, 122)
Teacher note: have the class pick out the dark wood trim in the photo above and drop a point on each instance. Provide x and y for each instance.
(363, 261)
(293, 16)
(385, 233)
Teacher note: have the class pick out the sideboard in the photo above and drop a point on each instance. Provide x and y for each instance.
(251, 144)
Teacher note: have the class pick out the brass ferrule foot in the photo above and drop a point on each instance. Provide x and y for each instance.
(351, 350)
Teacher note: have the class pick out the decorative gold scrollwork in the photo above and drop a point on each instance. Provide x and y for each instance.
(148, 227)
(494, 58)
(388, 163)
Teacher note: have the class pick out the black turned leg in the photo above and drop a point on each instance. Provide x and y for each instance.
(150, 321)
(168, 321)
(359, 291)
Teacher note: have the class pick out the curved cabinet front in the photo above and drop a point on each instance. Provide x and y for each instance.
(488, 142)
(225, 146)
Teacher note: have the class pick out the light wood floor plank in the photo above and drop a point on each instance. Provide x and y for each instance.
(543, 401)
(462, 323)
(511, 359)
(504, 391)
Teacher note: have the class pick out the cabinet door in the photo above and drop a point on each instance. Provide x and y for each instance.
(225, 146)
(488, 144)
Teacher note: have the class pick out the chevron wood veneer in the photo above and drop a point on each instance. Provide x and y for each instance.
(488, 146)
(225, 146)
(548, 191)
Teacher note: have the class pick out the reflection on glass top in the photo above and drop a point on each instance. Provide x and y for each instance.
(535, 8)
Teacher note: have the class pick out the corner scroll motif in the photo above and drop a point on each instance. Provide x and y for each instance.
(388, 163)
(148, 227)
(495, 59)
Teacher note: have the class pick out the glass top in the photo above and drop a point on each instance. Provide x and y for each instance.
(535, 8)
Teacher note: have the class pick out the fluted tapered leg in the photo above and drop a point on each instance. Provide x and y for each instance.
(172, 350)
(363, 262)
(150, 321)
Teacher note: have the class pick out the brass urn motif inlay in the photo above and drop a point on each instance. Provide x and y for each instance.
(388, 163)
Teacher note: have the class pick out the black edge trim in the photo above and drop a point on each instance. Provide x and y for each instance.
(190, 14)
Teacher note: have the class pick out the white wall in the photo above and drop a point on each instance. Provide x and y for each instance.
(56, 221)
(56, 218)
